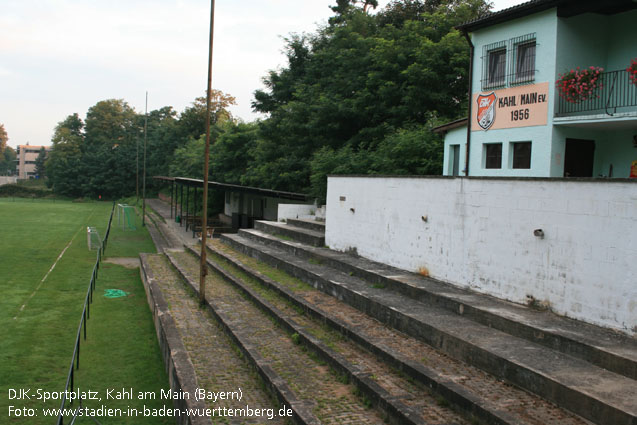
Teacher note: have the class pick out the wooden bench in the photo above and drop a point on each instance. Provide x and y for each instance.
(191, 220)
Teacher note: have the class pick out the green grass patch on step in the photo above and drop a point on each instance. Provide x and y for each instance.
(273, 273)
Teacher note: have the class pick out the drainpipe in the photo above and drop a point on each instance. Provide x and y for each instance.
(471, 49)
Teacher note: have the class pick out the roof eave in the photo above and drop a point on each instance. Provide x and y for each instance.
(505, 15)
(441, 129)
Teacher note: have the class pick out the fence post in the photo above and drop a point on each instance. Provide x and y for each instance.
(86, 314)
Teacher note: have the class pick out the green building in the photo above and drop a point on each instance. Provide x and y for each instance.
(554, 92)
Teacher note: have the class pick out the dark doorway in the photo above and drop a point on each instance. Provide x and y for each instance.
(579, 157)
(455, 155)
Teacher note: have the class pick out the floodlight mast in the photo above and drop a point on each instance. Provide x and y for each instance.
(144, 181)
(137, 171)
(203, 269)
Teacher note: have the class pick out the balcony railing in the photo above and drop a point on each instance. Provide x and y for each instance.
(614, 93)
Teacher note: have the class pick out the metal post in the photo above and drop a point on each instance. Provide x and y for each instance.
(195, 211)
(144, 181)
(203, 270)
(172, 197)
(137, 171)
(187, 204)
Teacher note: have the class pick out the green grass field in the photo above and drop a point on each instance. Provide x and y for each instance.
(39, 318)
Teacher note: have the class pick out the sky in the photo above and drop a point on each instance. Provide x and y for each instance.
(59, 57)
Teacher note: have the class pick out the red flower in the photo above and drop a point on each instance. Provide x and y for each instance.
(632, 71)
(579, 84)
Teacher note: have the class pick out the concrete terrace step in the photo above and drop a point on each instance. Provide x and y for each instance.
(162, 237)
(416, 406)
(471, 390)
(307, 236)
(318, 226)
(602, 347)
(241, 338)
(182, 374)
(299, 380)
(592, 392)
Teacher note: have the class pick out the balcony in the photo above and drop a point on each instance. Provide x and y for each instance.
(615, 93)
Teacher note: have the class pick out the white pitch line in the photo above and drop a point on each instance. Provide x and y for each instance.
(45, 276)
(52, 267)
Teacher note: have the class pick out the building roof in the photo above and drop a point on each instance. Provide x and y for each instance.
(565, 9)
(462, 122)
(46, 147)
(238, 188)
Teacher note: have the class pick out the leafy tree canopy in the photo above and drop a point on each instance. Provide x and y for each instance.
(103, 154)
(7, 161)
(4, 164)
(39, 163)
(192, 121)
(359, 95)
(4, 138)
(357, 84)
(64, 167)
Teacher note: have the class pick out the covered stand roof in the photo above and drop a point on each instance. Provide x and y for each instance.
(238, 188)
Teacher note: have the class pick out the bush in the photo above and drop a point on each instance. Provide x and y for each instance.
(20, 191)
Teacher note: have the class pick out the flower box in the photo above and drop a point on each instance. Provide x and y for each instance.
(579, 85)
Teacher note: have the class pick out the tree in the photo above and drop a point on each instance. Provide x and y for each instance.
(230, 155)
(65, 167)
(192, 121)
(39, 164)
(334, 161)
(111, 133)
(99, 156)
(188, 160)
(7, 161)
(162, 140)
(358, 85)
(4, 164)
(4, 138)
(398, 12)
(345, 7)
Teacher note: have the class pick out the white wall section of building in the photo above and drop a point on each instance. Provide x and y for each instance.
(478, 233)
(296, 211)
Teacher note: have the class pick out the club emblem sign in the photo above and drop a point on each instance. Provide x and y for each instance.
(486, 110)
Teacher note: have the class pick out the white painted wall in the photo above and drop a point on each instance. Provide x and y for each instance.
(296, 211)
(251, 205)
(8, 180)
(478, 234)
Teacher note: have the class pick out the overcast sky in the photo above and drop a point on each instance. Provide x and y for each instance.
(58, 57)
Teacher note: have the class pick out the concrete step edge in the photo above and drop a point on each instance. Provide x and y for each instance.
(589, 349)
(309, 237)
(174, 353)
(453, 392)
(302, 410)
(318, 226)
(573, 397)
(394, 407)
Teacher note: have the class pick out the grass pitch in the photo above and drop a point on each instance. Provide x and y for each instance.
(40, 309)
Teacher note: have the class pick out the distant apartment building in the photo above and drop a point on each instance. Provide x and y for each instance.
(26, 156)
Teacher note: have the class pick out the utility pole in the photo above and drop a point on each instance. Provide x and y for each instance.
(137, 171)
(144, 181)
(203, 269)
